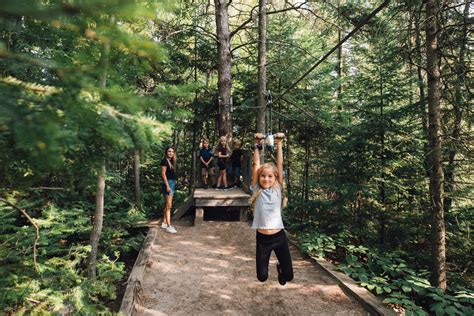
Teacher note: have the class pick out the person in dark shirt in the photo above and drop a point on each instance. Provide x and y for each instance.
(236, 162)
(223, 153)
(205, 158)
(168, 166)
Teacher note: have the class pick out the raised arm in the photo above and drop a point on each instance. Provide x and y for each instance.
(278, 140)
(258, 137)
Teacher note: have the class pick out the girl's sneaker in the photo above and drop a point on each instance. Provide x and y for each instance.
(164, 225)
(171, 230)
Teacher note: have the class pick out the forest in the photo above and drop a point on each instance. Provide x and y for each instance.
(374, 97)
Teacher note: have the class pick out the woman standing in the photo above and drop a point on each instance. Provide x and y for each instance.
(168, 166)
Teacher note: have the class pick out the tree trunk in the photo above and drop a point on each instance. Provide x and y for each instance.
(422, 96)
(288, 160)
(223, 69)
(382, 215)
(136, 173)
(458, 102)
(262, 74)
(339, 64)
(306, 167)
(98, 220)
(438, 276)
(196, 123)
(99, 197)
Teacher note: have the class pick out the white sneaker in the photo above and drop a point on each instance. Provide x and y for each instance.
(171, 230)
(164, 225)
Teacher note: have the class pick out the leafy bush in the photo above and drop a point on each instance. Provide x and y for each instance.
(388, 275)
(60, 283)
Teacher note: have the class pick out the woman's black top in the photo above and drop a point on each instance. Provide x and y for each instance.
(169, 169)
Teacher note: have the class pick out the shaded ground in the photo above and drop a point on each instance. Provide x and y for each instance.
(210, 269)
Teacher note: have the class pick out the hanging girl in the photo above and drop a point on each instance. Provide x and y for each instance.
(268, 200)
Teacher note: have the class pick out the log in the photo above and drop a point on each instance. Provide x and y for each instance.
(132, 295)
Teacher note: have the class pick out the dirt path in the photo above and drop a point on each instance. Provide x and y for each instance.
(210, 270)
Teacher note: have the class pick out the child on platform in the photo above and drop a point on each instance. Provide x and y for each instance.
(205, 158)
(268, 201)
(223, 153)
(236, 163)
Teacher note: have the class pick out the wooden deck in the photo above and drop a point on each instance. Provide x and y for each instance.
(220, 198)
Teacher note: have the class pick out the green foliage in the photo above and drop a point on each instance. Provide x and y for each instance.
(60, 282)
(317, 244)
(388, 275)
(356, 138)
(68, 105)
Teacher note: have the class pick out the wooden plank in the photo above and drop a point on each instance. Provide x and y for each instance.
(183, 208)
(235, 193)
(221, 202)
(131, 296)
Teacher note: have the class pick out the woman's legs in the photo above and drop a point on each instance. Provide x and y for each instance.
(236, 175)
(224, 177)
(168, 204)
(219, 178)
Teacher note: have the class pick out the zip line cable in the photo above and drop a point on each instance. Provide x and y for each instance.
(357, 28)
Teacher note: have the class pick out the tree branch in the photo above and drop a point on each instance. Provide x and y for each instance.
(241, 26)
(31, 221)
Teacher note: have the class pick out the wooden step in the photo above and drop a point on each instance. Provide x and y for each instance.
(212, 197)
(218, 198)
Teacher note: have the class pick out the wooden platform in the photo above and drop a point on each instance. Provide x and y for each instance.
(220, 198)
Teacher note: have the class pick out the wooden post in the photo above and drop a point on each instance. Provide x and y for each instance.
(243, 214)
(199, 216)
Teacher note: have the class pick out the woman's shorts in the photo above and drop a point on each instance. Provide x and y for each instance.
(172, 184)
(221, 164)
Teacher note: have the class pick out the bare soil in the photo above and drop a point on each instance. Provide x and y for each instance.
(210, 270)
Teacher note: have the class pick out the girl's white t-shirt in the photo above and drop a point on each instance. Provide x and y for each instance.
(267, 214)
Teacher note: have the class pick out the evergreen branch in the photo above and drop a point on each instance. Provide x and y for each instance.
(34, 87)
(41, 62)
(31, 221)
(213, 36)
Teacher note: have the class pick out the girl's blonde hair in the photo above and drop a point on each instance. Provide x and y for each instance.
(229, 150)
(277, 184)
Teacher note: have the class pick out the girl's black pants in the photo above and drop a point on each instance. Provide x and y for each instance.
(278, 243)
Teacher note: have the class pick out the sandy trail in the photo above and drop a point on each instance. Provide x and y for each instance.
(210, 270)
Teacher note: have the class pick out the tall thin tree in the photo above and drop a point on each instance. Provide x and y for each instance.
(101, 173)
(262, 74)
(438, 273)
(224, 61)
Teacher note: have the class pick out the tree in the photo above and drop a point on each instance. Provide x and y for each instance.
(224, 62)
(262, 76)
(435, 150)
